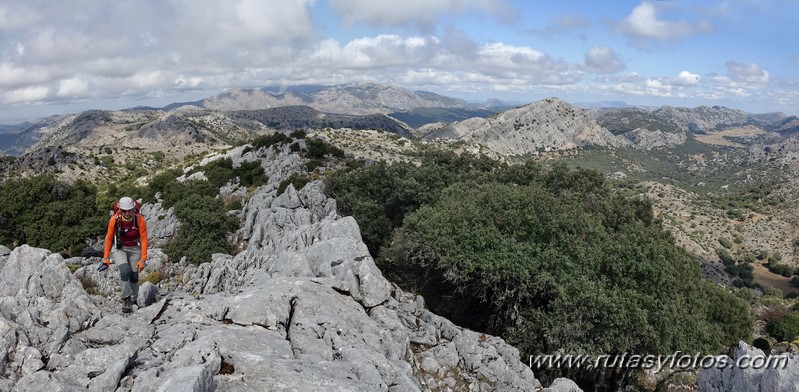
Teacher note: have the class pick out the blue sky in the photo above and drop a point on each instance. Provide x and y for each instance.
(73, 55)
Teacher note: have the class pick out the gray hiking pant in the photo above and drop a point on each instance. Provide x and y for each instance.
(126, 259)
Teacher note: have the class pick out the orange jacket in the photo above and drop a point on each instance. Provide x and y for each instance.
(109, 236)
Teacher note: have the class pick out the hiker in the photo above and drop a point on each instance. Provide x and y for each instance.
(127, 233)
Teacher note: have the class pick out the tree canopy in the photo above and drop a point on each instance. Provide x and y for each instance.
(552, 260)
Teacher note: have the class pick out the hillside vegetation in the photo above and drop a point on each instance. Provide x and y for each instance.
(525, 251)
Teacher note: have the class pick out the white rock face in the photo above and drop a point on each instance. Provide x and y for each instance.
(781, 376)
(547, 125)
(302, 308)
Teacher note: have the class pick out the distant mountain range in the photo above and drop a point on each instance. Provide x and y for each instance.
(546, 125)
(342, 99)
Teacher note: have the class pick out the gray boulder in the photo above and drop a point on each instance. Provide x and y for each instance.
(751, 370)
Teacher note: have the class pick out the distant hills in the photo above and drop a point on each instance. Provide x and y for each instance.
(235, 115)
(360, 99)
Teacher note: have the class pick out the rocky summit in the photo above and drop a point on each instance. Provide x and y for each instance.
(303, 308)
(546, 125)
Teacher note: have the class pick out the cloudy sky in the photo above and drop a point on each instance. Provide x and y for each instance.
(71, 55)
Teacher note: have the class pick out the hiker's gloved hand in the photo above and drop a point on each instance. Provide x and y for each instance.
(104, 265)
(140, 265)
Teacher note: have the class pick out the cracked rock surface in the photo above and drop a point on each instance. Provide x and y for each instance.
(302, 308)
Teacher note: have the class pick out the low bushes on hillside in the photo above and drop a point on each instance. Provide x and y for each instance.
(44, 212)
(786, 328)
(551, 260)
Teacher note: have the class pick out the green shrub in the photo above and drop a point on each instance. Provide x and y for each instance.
(232, 204)
(725, 242)
(47, 213)
(564, 260)
(785, 329)
(725, 256)
(298, 134)
(736, 214)
(250, 173)
(780, 269)
(380, 195)
(219, 172)
(313, 164)
(276, 138)
(743, 272)
(296, 179)
(204, 226)
(318, 148)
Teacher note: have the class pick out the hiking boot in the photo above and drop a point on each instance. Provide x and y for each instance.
(127, 306)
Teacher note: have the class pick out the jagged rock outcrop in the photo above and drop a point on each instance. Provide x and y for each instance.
(162, 225)
(784, 153)
(303, 307)
(781, 375)
(546, 125)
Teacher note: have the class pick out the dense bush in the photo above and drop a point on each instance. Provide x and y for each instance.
(551, 260)
(566, 262)
(298, 134)
(379, 196)
(780, 269)
(743, 272)
(725, 256)
(270, 140)
(725, 242)
(204, 227)
(785, 329)
(44, 212)
(317, 149)
(221, 171)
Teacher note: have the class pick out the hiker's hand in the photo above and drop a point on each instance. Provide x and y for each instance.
(140, 265)
(107, 262)
(104, 265)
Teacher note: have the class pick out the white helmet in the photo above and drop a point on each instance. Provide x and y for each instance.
(126, 203)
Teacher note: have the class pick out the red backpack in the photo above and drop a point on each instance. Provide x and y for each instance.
(119, 230)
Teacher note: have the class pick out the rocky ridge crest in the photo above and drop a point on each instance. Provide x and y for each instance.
(368, 98)
(303, 307)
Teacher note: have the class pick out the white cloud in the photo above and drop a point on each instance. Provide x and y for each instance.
(25, 95)
(12, 76)
(643, 27)
(415, 12)
(72, 88)
(685, 78)
(750, 73)
(602, 60)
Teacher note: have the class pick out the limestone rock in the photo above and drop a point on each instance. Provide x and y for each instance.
(302, 307)
(563, 385)
(781, 374)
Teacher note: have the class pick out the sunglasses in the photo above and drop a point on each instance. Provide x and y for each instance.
(126, 211)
